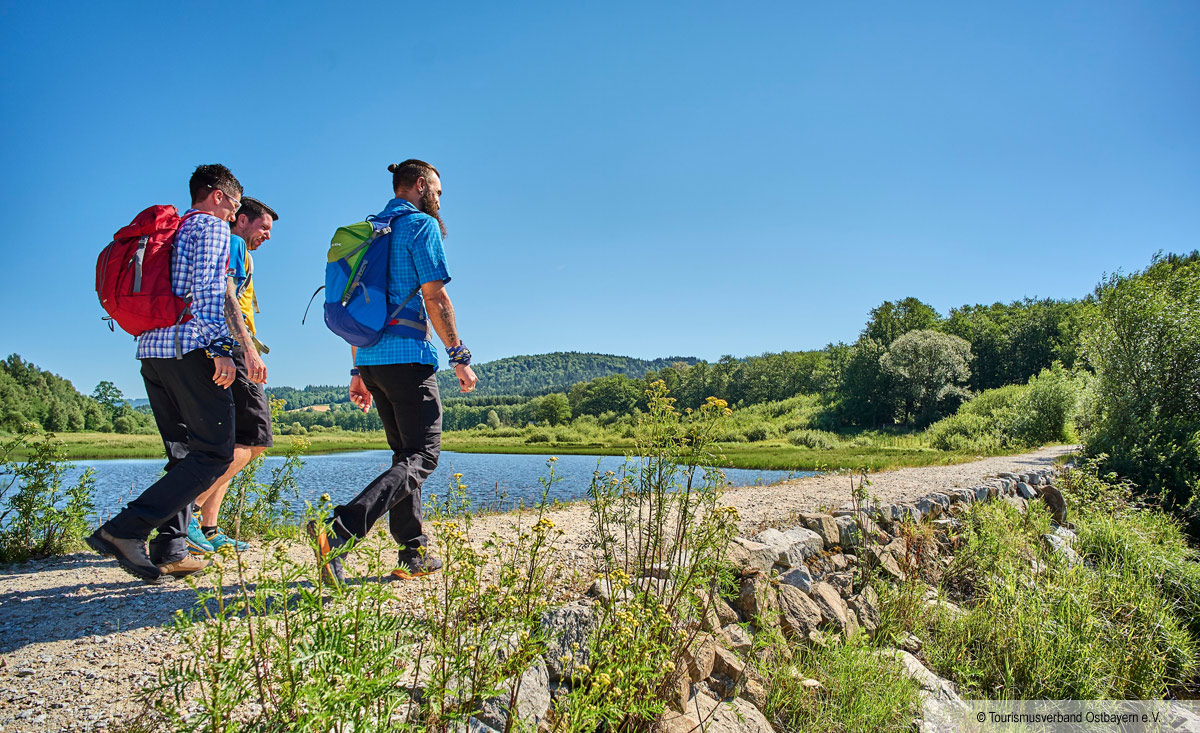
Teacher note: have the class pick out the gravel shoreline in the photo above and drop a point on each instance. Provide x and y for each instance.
(78, 637)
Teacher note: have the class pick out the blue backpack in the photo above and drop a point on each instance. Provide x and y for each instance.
(356, 303)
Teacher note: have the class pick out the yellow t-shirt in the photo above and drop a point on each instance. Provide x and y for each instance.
(246, 300)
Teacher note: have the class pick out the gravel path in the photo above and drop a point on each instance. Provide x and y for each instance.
(78, 637)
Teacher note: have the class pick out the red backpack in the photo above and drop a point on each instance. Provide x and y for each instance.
(133, 273)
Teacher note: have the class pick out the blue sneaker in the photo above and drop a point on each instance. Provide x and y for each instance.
(219, 539)
(197, 543)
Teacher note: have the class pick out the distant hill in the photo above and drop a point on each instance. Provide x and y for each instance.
(545, 373)
(515, 376)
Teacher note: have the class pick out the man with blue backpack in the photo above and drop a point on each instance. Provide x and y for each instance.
(394, 361)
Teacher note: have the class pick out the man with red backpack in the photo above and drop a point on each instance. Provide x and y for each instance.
(187, 369)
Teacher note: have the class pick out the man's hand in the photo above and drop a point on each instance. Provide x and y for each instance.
(224, 372)
(360, 396)
(466, 377)
(255, 368)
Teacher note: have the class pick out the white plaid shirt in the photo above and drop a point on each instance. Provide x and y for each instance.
(198, 264)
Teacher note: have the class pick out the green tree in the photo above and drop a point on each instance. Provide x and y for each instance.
(865, 390)
(493, 418)
(553, 409)
(930, 370)
(1144, 344)
(891, 320)
(109, 397)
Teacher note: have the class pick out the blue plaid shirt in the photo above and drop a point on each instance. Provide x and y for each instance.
(198, 265)
(416, 257)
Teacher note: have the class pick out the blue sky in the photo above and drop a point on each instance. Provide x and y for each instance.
(641, 179)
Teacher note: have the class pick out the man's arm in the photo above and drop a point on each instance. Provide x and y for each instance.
(255, 368)
(360, 396)
(441, 314)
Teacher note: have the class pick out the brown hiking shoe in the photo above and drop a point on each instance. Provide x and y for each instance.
(324, 545)
(414, 564)
(130, 555)
(184, 566)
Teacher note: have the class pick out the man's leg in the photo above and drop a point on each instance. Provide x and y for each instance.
(210, 501)
(419, 418)
(252, 421)
(398, 391)
(182, 393)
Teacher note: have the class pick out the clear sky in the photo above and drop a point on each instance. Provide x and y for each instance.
(647, 179)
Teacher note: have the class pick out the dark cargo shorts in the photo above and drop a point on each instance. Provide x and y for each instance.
(252, 410)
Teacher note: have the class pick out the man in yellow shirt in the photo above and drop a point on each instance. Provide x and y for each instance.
(250, 229)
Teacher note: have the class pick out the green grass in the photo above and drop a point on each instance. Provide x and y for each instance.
(1114, 629)
(862, 692)
(875, 452)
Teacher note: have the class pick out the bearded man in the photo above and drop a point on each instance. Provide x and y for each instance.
(399, 376)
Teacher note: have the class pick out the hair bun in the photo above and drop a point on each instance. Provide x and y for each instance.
(393, 167)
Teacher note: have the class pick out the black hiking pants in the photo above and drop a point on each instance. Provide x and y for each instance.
(406, 396)
(195, 419)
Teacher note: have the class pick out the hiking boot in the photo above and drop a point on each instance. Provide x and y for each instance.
(219, 539)
(131, 555)
(197, 543)
(184, 566)
(326, 544)
(414, 564)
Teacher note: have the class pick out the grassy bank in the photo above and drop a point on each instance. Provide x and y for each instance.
(877, 453)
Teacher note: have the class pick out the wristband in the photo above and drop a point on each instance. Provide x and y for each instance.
(354, 372)
(221, 347)
(459, 354)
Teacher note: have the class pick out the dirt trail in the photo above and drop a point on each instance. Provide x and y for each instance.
(78, 637)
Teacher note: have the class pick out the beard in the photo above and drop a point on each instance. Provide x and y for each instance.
(429, 205)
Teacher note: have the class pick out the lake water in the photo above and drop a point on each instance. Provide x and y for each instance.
(493, 480)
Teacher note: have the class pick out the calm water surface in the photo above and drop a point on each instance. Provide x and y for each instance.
(493, 480)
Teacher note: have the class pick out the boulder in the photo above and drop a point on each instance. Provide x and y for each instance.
(718, 614)
(1055, 502)
(824, 526)
(833, 609)
(865, 606)
(748, 556)
(1025, 491)
(799, 615)
(727, 663)
(532, 703)
(568, 630)
(754, 692)
(885, 559)
(1059, 543)
(799, 577)
(756, 601)
(603, 589)
(792, 546)
(700, 657)
(734, 716)
(843, 582)
(738, 638)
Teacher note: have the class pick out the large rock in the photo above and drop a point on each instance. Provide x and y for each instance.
(792, 546)
(733, 716)
(738, 638)
(799, 615)
(799, 577)
(833, 609)
(886, 560)
(865, 606)
(607, 592)
(568, 631)
(532, 704)
(717, 614)
(929, 507)
(756, 600)
(748, 556)
(700, 657)
(1059, 542)
(727, 663)
(1025, 491)
(823, 525)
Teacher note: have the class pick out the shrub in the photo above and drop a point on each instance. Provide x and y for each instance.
(815, 439)
(38, 517)
(1144, 343)
(538, 438)
(757, 433)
